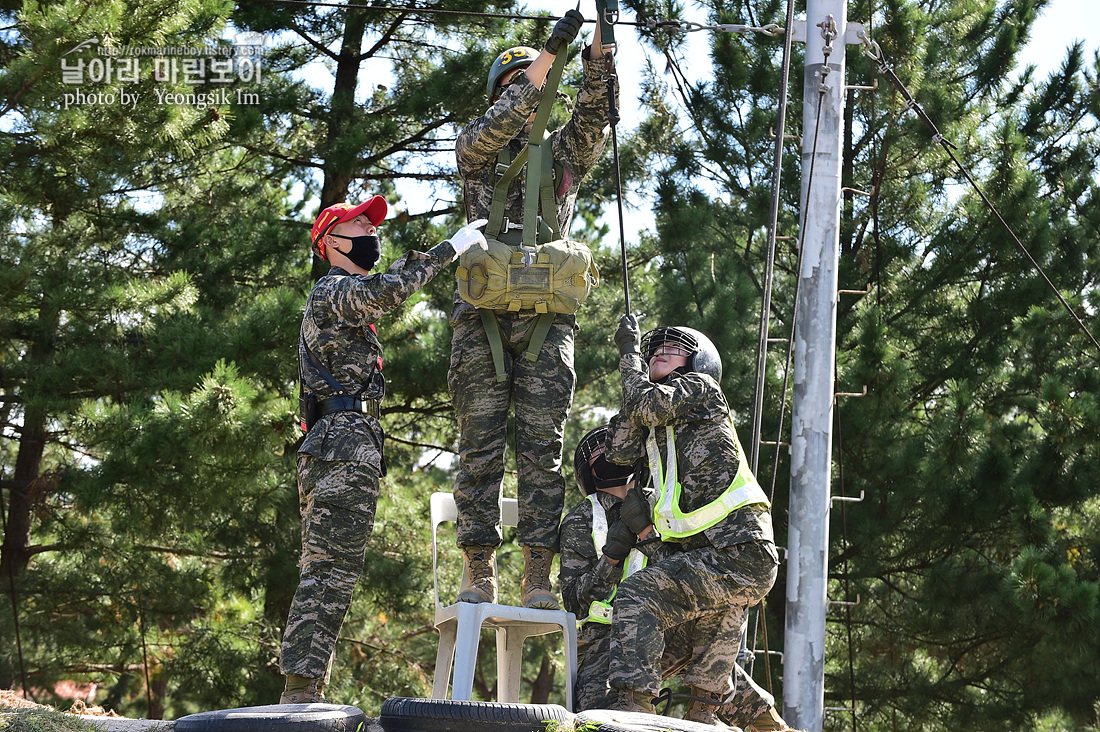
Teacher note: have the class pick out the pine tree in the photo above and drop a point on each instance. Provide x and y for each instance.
(147, 416)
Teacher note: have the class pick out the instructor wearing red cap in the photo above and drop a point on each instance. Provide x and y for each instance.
(340, 461)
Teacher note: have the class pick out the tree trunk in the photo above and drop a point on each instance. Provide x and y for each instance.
(26, 488)
(543, 683)
(339, 168)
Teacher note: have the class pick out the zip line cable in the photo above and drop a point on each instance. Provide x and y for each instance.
(613, 119)
(683, 26)
(872, 51)
(765, 307)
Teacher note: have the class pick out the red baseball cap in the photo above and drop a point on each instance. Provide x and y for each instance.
(375, 208)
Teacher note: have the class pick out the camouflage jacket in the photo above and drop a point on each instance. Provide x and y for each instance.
(577, 147)
(706, 454)
(584, 576)
(336, 327)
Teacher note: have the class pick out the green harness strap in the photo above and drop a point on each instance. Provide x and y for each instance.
(540, 189)
(539, 173)
(500, 190)
(529, 347)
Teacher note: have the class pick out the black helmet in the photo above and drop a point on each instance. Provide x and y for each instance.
(599, 474)
(703, 356)
(518, 57)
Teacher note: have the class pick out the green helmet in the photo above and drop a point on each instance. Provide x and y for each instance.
(514, 58)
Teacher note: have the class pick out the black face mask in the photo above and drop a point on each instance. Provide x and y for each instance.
(610, 475)
(365, 250)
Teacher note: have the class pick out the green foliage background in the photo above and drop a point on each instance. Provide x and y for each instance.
(154, 266)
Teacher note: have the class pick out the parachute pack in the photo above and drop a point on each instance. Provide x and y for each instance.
(543, 273)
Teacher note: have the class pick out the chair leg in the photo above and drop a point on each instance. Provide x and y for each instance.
(509, 663)
(569, 638)
(444, 662)
(468, 633)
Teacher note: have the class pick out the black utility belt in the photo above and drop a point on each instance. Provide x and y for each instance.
(349, 404)
(312, 408)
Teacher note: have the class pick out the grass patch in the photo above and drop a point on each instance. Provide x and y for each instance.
(42, 720)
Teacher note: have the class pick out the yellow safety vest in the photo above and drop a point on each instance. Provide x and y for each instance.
(670, 521)
(600, 610)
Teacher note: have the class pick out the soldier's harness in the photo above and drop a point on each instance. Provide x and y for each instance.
(537, 272)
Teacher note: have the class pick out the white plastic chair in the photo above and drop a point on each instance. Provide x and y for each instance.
(460, 625)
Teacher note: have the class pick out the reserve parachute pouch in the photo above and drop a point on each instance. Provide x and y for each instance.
(555, 277)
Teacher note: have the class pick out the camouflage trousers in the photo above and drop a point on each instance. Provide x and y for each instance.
(542, 392)
(593, 691)
(338, 503)
(594, 662)
(709, 587)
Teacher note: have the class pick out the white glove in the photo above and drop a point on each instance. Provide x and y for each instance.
(467, 236)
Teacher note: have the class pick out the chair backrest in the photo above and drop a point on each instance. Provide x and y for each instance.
(443, 509)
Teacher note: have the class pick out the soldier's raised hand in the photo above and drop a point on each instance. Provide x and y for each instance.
(626, 337)
(565, 31)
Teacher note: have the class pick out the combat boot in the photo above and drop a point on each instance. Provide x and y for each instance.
(704, 713)
(535, 586)
(770, 721)
(628, 700)
(481, 569)
(303, 690)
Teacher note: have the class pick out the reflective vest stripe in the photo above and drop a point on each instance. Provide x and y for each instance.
(600, 610)
(673, 523)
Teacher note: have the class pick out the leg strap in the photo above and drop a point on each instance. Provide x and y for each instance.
(496, 341)
(529, 347)
(537, 335)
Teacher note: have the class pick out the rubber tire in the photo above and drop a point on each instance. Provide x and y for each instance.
(277, 718)
(402, 714)
(608, 720)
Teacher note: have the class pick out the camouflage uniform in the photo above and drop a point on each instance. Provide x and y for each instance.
(340, 461)
(721, 570)
(585, 577)
(541, 391)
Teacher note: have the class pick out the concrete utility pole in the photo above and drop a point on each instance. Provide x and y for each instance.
(814, 359)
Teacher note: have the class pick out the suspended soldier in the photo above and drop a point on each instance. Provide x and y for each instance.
(707, 501)
(503, 355)
(340, 461)
(598, 550)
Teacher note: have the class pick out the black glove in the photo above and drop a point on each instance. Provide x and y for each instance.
(626, 337)
(636, 513)
(620, 540)
(565, 31)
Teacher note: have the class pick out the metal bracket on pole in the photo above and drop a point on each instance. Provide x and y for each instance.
(849, 499)
(874, 85)
(771, 134)
(853, 33)
(844, 602)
